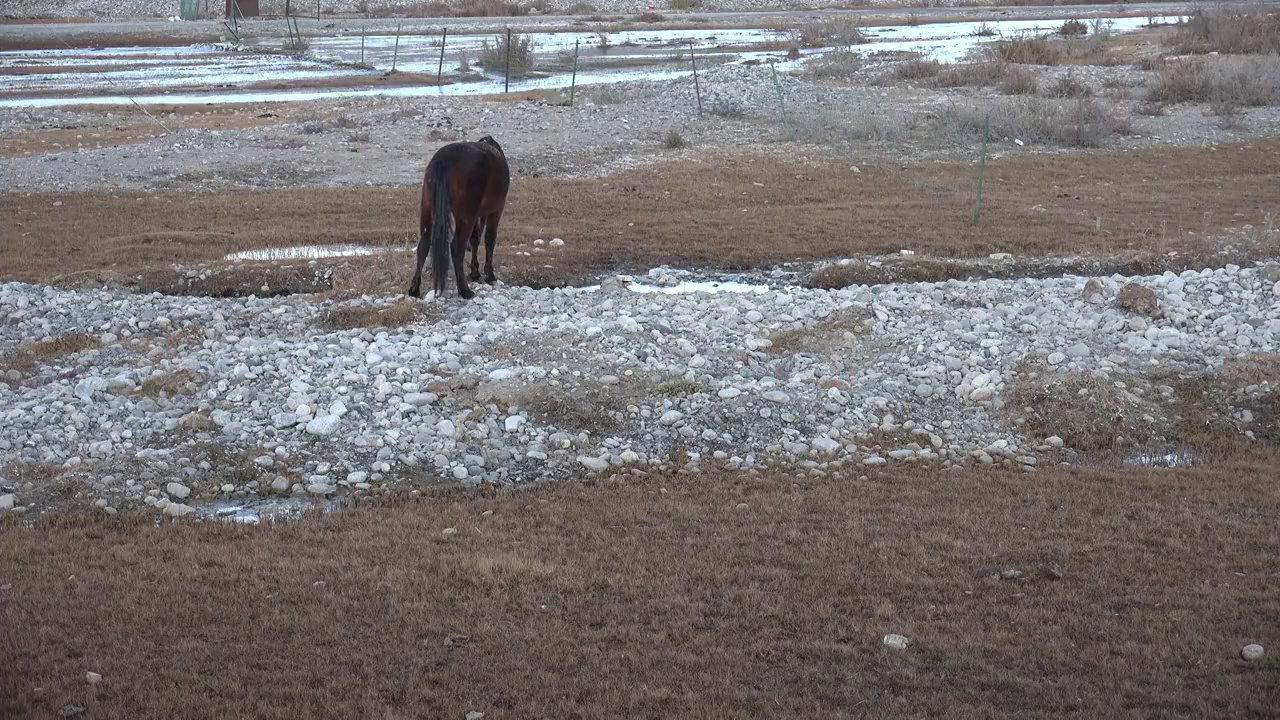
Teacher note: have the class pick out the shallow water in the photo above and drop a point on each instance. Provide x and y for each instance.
(304, 252)
(195, 65)
(255, 510)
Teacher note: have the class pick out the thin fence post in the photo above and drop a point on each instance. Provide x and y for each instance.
(440, 68)
(573, 80)
(697, 89)
(777, 85)
(982, 167)
(317, 9)
(506, 82)
(395, 53)
(362, 43)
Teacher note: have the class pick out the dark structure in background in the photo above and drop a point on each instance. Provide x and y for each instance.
(242, 8)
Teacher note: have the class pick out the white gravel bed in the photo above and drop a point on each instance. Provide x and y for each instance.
(472, 392)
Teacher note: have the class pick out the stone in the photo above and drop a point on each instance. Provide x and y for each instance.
(1093, 292)
(280, 484)
(742, 507)
(671, 417)
(513, 423)
(729, 393)
(324, 425)
(92, 678)
(1252, 652)
(594, 464)
(320, 488)
(776, 396)
(178, 509)
(1137, 299)
(449, 531)
(896, 642)
(7, 501)
(1053, 441)
(419, 399)
(178, 490)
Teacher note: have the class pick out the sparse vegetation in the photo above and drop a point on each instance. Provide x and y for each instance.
(728, 109)
(673, 140)
(26, 356)
(984, 30)
(1073, 27)
(1068, 86)
(1026, 49)
(520, 53)
(834, 31)
(1019, 81)
(911, 70)
(650, 17)
(1079, 123)
(1247, 82)
(839, 64)
(1234, 31)
(395, 315)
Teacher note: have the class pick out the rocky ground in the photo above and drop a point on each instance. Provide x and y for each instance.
(174, 401)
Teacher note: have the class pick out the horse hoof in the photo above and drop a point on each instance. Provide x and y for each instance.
(475, 277)
(491, 280)
(415, 293)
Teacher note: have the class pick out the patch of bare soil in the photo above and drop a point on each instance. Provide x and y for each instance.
(1060, 593)
(719, 212)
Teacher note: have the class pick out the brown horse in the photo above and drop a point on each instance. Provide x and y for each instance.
(468, 181)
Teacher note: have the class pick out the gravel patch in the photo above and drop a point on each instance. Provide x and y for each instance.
(189, 400)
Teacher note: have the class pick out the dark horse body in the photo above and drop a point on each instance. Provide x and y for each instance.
(468, 181)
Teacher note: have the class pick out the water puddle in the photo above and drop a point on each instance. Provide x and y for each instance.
(254, 511)
(304, 252)
(1173, 459)
(652, 55)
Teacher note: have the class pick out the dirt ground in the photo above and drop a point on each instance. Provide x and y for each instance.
(1129, 594)
(721, 212)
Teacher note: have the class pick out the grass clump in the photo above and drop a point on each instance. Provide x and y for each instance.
(350, 317)
(1026, 50)
(829, 32)
(1229, 31)
(1068, 86)
(835, 65)
(515, 48)
(1019, 81)
(1078, 123)
(27, 355)
(1247, 82)
(673, 140)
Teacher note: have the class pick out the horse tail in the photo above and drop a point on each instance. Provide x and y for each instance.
(441, 225)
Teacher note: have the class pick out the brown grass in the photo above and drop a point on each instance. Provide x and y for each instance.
(824, 336)
(1236, 30)
(395, 315)
(1138, 590)
(1249, 82)
(720, 212)
(1027, 50)
(26, 356)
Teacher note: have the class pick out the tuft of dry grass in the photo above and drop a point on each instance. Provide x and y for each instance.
(26, 356)
(969, 74)
(673, 140)
(835, 331)
(1019, 81)
(1088, 411)
(1068, 86)
(916, 69)
(650, 17)
(1232, 30)
(497, 56)
(396, 315)
(1248, 82)
(564, 601)
(163, 383)
(834, 65)
(1073, 28)
(1083, 122)
(831, 31)
(1026, 50)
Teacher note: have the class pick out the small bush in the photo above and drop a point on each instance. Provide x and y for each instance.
(834, 65)
(1078, 123)
(916, 69)
(1019, 81)
(1230, 115)
(1073, 28)
(1248, 82)
(673, 141)
(984, 30)
(728, 109)
(359, 137)
(1151, 109)
(1027, 50)
(520, 53)
(650, 17)
(1067, 86)
(980, 74)
(1229, 31)
(833, 31)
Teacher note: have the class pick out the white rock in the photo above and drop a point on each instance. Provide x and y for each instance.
(178, 490)
(92, 678)
(513, 423)
(671, 417)
(594, 464)
(7, 501)
(446, 428)
(324, 425)
(419, 399)
(178, 509)
(729, 393)
(1252, 652)
(776, 396)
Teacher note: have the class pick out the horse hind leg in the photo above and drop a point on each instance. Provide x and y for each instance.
(475, 251)
(461, 239)
(424, 249)
(490, 241)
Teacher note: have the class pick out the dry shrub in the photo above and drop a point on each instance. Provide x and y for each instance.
(1248, 82)
(1027, 50)
(597, 409)
(673, 140)
(25, 356)
(916, 69)
(984, 30)
(395, 315)
(1073, 27)
(1151, 109)
(1067, 86)
(162, 383)
(520, 53)
(1079, 123)
(1019, 81)
(1088, 411)
(968, 74)
(834, 65)
(650, 17)
(1214, 410)
(833, 31)
(836, 330)
(1237, 31)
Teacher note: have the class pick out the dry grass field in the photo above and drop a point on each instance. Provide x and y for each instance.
(717, 597)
